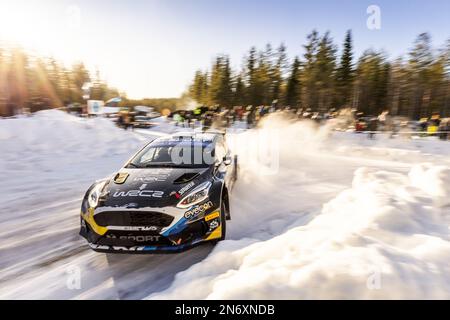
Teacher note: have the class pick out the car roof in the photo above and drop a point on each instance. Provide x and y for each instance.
(191, 136)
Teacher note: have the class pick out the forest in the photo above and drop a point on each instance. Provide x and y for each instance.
(416, 85)
(323, 78)
(29, 83)
(35, 83)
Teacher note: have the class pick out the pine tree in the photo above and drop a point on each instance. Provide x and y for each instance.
(292, 97)
(220, 92)
(421, 58)
(262, 93)
(226, 86)
(309, 73)
(215, 82)
(205, 91)
(446, 57)
(278, 73)
(80, 76)
(198, 90)
(371, 83)
(239, 92)
(345, 74)
(325, 73)
(398, 79)
(251, 81)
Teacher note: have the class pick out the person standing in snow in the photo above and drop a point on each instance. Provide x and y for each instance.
(372, 128)
(250, 118)
(444, 129)
(120, 123)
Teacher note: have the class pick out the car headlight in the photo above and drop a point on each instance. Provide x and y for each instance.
(94, 194)
(196, 196)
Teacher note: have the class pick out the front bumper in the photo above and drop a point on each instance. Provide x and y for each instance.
(145, 249)
(183, 235)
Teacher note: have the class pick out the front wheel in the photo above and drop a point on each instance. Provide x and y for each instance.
(223, 223)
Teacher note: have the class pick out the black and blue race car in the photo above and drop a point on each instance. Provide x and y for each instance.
(171, 195)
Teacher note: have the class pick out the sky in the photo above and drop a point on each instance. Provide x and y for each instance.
(151, 48)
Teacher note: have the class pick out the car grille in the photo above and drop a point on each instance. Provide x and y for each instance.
(133, 219)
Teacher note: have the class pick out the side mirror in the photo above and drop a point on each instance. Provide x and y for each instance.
(227, 160)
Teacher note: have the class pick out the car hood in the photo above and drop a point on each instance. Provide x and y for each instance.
(151, 187)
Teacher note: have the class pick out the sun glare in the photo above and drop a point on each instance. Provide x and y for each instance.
(38, 27)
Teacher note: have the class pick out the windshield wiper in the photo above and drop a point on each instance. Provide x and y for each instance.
(167, 165)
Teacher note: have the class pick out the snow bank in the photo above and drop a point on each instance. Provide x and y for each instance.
(383, 235)
(434, 180)
(52, 156)
(31, 140)
(382, 238)
(333, 215)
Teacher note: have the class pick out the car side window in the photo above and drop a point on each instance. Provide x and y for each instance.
(148, 155)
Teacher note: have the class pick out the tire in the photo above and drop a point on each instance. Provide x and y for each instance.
(223, 222)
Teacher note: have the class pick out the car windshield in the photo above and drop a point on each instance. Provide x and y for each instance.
(184, 154)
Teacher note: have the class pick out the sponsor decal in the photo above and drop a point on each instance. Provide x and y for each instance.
(151, 228)
(151, 179)
(135, 238)
(186, 188)
(213, 225)
(139, 193)
(199, 209)
(102, 247)
(130, 228)
(183, 190)
(212, 216)
(159, 175)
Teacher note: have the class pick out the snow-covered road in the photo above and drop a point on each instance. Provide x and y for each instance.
(340, 217)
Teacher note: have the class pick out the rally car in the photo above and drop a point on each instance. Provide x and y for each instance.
(171, 195)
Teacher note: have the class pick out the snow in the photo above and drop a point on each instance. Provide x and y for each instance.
(332, 215)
